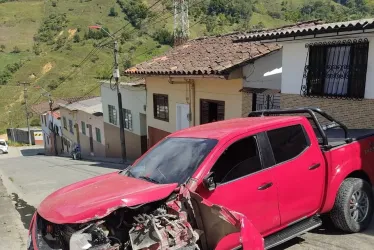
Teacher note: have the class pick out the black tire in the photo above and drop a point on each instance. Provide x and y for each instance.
(1, 152)
(341, 215)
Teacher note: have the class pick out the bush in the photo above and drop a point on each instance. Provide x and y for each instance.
(76, 38)
(2, 47)
(94, 58)
(53, 85)
(35, 122)
(69, 47)
(37, 50)
(112, 12)
(54, 4)
(135, 11)
(163, 36)
(16, 49)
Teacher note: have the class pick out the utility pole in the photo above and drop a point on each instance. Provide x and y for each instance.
(181, 22)
(11, 125)
(50, 102)
(25, 84)
(116, 76)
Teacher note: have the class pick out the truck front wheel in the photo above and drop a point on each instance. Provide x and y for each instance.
(353, 208)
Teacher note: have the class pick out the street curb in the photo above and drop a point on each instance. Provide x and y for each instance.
(98, 160)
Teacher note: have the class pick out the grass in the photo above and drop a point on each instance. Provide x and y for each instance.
(16, 144)
(19, 21)
(11, 179)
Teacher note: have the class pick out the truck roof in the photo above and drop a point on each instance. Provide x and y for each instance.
(228, 128)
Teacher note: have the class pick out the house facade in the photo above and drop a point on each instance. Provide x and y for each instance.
(134, 119)
(200, 82)
(52, 133)
(326, 65)
(82, 123)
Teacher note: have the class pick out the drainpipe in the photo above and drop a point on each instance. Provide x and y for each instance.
(192, 102)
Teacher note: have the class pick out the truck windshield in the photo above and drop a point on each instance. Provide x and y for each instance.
(173, 161)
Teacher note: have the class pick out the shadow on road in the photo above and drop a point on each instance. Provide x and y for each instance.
(25, 210)
(32, 151)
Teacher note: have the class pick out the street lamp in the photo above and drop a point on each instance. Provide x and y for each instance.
(116, 76)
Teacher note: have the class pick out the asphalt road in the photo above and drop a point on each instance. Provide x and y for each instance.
(29, 178)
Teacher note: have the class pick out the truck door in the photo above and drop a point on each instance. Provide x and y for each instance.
(299, 171)
(244, 185)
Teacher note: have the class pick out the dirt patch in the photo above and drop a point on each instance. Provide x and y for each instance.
(32, 76)
(71, 33)
(59, 34)
(47, 68)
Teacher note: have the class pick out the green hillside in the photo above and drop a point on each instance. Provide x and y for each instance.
(44, 42)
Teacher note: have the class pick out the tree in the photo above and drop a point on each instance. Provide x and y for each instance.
(35, 122)
(36, 48)
(2, 47)
(16, 49)
(163, 36)
(112, 12)
(76, 38)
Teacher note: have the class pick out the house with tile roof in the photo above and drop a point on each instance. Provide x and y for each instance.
(201, 81)
(325, 65)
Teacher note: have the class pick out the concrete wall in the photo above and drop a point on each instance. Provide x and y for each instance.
(255, 74)
(295, 54)
(213, 89)
(113, 142)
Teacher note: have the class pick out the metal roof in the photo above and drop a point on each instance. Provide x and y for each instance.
(307, 28)
(90, 106)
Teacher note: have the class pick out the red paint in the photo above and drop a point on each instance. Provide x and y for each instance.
(296, 192)
(99, 196)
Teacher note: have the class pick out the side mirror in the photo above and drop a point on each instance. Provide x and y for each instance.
(209, 182)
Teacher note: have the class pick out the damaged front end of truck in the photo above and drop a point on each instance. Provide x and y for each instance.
(184, 220)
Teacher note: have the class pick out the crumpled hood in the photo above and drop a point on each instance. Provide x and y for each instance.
(97, 197)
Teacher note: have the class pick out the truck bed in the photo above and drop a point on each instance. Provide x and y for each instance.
(336, 136)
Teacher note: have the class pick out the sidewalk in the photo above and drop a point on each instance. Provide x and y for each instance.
(100, 159)
(13, 234)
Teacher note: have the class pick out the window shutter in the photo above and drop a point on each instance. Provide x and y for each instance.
(357, 76)
(204, 116)
(221, 111)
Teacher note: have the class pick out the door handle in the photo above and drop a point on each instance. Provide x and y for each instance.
(265, 186)
(314, 166)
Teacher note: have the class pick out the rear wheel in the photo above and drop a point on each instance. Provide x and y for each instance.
(353, 208)
(1, 152)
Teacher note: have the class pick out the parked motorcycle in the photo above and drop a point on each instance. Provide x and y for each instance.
(76, 153)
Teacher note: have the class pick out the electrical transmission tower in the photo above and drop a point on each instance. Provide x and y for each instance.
(181, 24)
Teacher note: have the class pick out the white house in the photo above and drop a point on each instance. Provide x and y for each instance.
(325, 65)
(134, 118)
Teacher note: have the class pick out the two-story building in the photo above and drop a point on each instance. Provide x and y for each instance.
(325, 65)
(201, 81)
(82, 123)
(134, 118)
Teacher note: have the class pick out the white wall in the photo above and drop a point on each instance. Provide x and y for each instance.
(294, 57)
(133, 98)
(94, 121)
(254, 73)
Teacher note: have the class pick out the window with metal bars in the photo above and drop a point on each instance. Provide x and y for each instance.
(161, 107)
(127, 119)
(336, 69)
(112, 114)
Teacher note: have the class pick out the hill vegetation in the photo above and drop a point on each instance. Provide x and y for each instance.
(46, 41)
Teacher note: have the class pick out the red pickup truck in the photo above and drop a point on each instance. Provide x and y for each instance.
(250, 183)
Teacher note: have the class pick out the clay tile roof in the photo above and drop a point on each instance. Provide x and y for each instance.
(215, 55)
(307, 28)
(43, 107)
